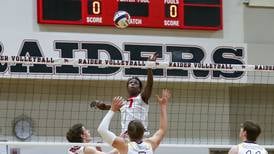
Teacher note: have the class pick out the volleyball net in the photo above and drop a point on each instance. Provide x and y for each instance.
(208, 102)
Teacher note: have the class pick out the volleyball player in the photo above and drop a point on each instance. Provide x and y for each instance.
(137, 144)
(136, 106)
(249, 132)
(79, 134)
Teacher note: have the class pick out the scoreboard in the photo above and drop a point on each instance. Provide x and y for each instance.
(178, 14)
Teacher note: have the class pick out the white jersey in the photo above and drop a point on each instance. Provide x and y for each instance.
(142, 148)
(76, 150)
(251, 148)
(134, 109)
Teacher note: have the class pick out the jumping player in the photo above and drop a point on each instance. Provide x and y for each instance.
(249, 132)
(79, 134)
(135, 130)
(136, 106)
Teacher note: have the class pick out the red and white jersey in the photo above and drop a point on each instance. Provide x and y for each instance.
(76, 150)
(142, 148)
(251, 148)
(134, 109)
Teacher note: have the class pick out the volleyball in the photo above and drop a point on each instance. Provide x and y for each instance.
(121, 19)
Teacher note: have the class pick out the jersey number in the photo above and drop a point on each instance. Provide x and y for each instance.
(130, 103)
(249, 152)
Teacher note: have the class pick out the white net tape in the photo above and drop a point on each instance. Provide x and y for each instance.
(205, 111)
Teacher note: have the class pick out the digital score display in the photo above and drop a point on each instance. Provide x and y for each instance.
(178, 14)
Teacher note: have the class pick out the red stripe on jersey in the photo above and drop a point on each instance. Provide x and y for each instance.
(130, 102)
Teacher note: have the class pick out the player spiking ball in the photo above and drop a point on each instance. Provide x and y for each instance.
(136, 106)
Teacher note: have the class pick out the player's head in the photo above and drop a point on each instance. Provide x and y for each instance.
(78, 133)
(134, 86)
(135, 130)
(249, 131)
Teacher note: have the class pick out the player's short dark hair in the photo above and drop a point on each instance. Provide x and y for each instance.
(136, 78)
(135, 130)
(74, 133)
(252, 129)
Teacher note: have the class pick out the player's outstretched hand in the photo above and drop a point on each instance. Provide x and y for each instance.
(163, 100)
(153, 57)
(117, 103)
(98, 104)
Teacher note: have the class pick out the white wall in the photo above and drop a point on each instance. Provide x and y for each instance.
(19, 21)
(241, 25)
(259, 34)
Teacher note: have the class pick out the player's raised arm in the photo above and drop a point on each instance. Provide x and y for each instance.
(159, 135)
(149, 84)
(100, 105)
(103, 129)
